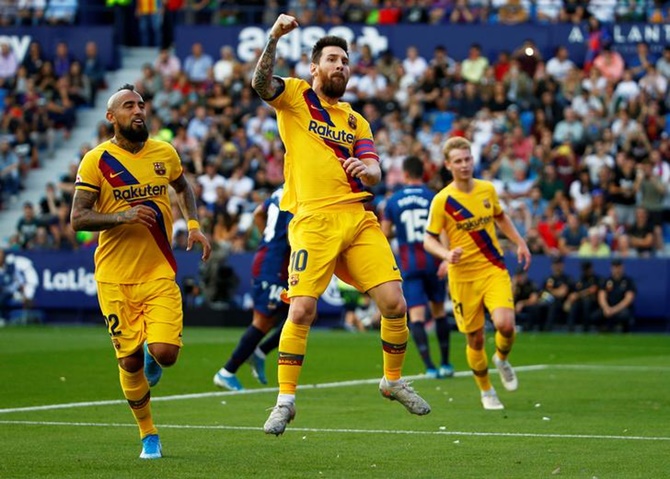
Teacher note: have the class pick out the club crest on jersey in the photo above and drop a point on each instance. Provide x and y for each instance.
(353, 123)
(116, 343)
(159, 168)
(487, 204)
(293, 280)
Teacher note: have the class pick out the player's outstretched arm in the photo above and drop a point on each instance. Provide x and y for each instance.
(84, 218)
(263, 82)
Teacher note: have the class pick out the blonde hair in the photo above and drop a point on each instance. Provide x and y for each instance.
(455, 143)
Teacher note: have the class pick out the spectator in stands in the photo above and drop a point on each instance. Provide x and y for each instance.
(582, 301)
(10, 179)
(663, 63)
(559, 66)
(210, 181)
(572, 236)
(570, 130)
(62, 59)
(34, 58)
(94, 70)
(167, 65)
(643, 238)
(225, 66)
(549, 11)
(474, 66)
(8, 65)
(615, 300)
(574, 11)
(594, 246)
(197, 64)
(149, 14)
(61, 12)
(462, 13)
(640, 61)
(610, 64)
(27, 225)
(414, 64)
(79, 85)
(512, 12)
(30, 12)
(654, 83)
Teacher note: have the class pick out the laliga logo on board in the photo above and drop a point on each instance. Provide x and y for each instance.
(79, 280)
(251, 39)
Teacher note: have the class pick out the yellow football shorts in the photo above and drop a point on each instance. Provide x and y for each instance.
(134, 313)
(343, 239)
(471, 297)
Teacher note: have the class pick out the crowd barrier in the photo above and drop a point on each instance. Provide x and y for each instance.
(65, 281)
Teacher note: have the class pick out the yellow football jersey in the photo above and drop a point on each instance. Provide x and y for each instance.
(130, 254)
(316, 134)
(468, 219)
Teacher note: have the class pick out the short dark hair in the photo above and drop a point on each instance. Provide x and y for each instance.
(328, 41)
(413, 166)
(127, 86)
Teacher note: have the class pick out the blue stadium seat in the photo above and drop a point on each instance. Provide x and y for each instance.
(667, 123)
(443, 121)
(527, 118)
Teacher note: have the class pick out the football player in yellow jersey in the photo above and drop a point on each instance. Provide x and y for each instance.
(330, 161)
(468, 211)
(121, 190)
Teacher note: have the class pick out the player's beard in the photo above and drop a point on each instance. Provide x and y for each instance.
(134, 134)
(333, 88)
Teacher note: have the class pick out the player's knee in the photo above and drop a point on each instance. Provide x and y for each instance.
(165, 354)
(302, 312)
(393, 307)
(132, 364)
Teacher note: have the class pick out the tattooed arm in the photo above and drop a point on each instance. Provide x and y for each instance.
(189, 208)
(263, 81)
(84, 218)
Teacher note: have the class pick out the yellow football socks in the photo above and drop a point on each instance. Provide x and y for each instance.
(480, 367)
(292, 348)
(394, 334)
(136, 390)
(504, 345)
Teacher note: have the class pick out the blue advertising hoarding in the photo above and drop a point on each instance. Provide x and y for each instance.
(65, 280)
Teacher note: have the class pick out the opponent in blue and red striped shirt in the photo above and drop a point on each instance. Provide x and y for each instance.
(405, 216)
(269, 272)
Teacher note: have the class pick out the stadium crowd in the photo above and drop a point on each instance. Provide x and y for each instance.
(579, 151)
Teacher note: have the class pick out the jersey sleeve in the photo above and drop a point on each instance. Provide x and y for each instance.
(437, 219)
(284, 96)
(364, 146)
(495, 200)
(89, 176)
(176, 168)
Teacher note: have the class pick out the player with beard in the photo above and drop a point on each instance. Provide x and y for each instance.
(121, 190)
(330, 163)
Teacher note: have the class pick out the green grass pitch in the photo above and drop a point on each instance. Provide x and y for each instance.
(588, 406)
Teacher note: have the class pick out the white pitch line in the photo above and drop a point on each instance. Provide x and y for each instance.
(177, 397)
(352, 431)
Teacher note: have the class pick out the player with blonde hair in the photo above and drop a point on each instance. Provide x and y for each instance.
(468, 210)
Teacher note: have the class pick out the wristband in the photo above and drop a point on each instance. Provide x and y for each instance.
(193, 225)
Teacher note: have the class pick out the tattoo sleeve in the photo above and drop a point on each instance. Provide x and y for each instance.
(186, 198)
(262, 81)
(84, 218)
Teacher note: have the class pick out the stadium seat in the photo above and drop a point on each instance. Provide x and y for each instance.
(443, 121)
(527, 118)
(667, 123)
